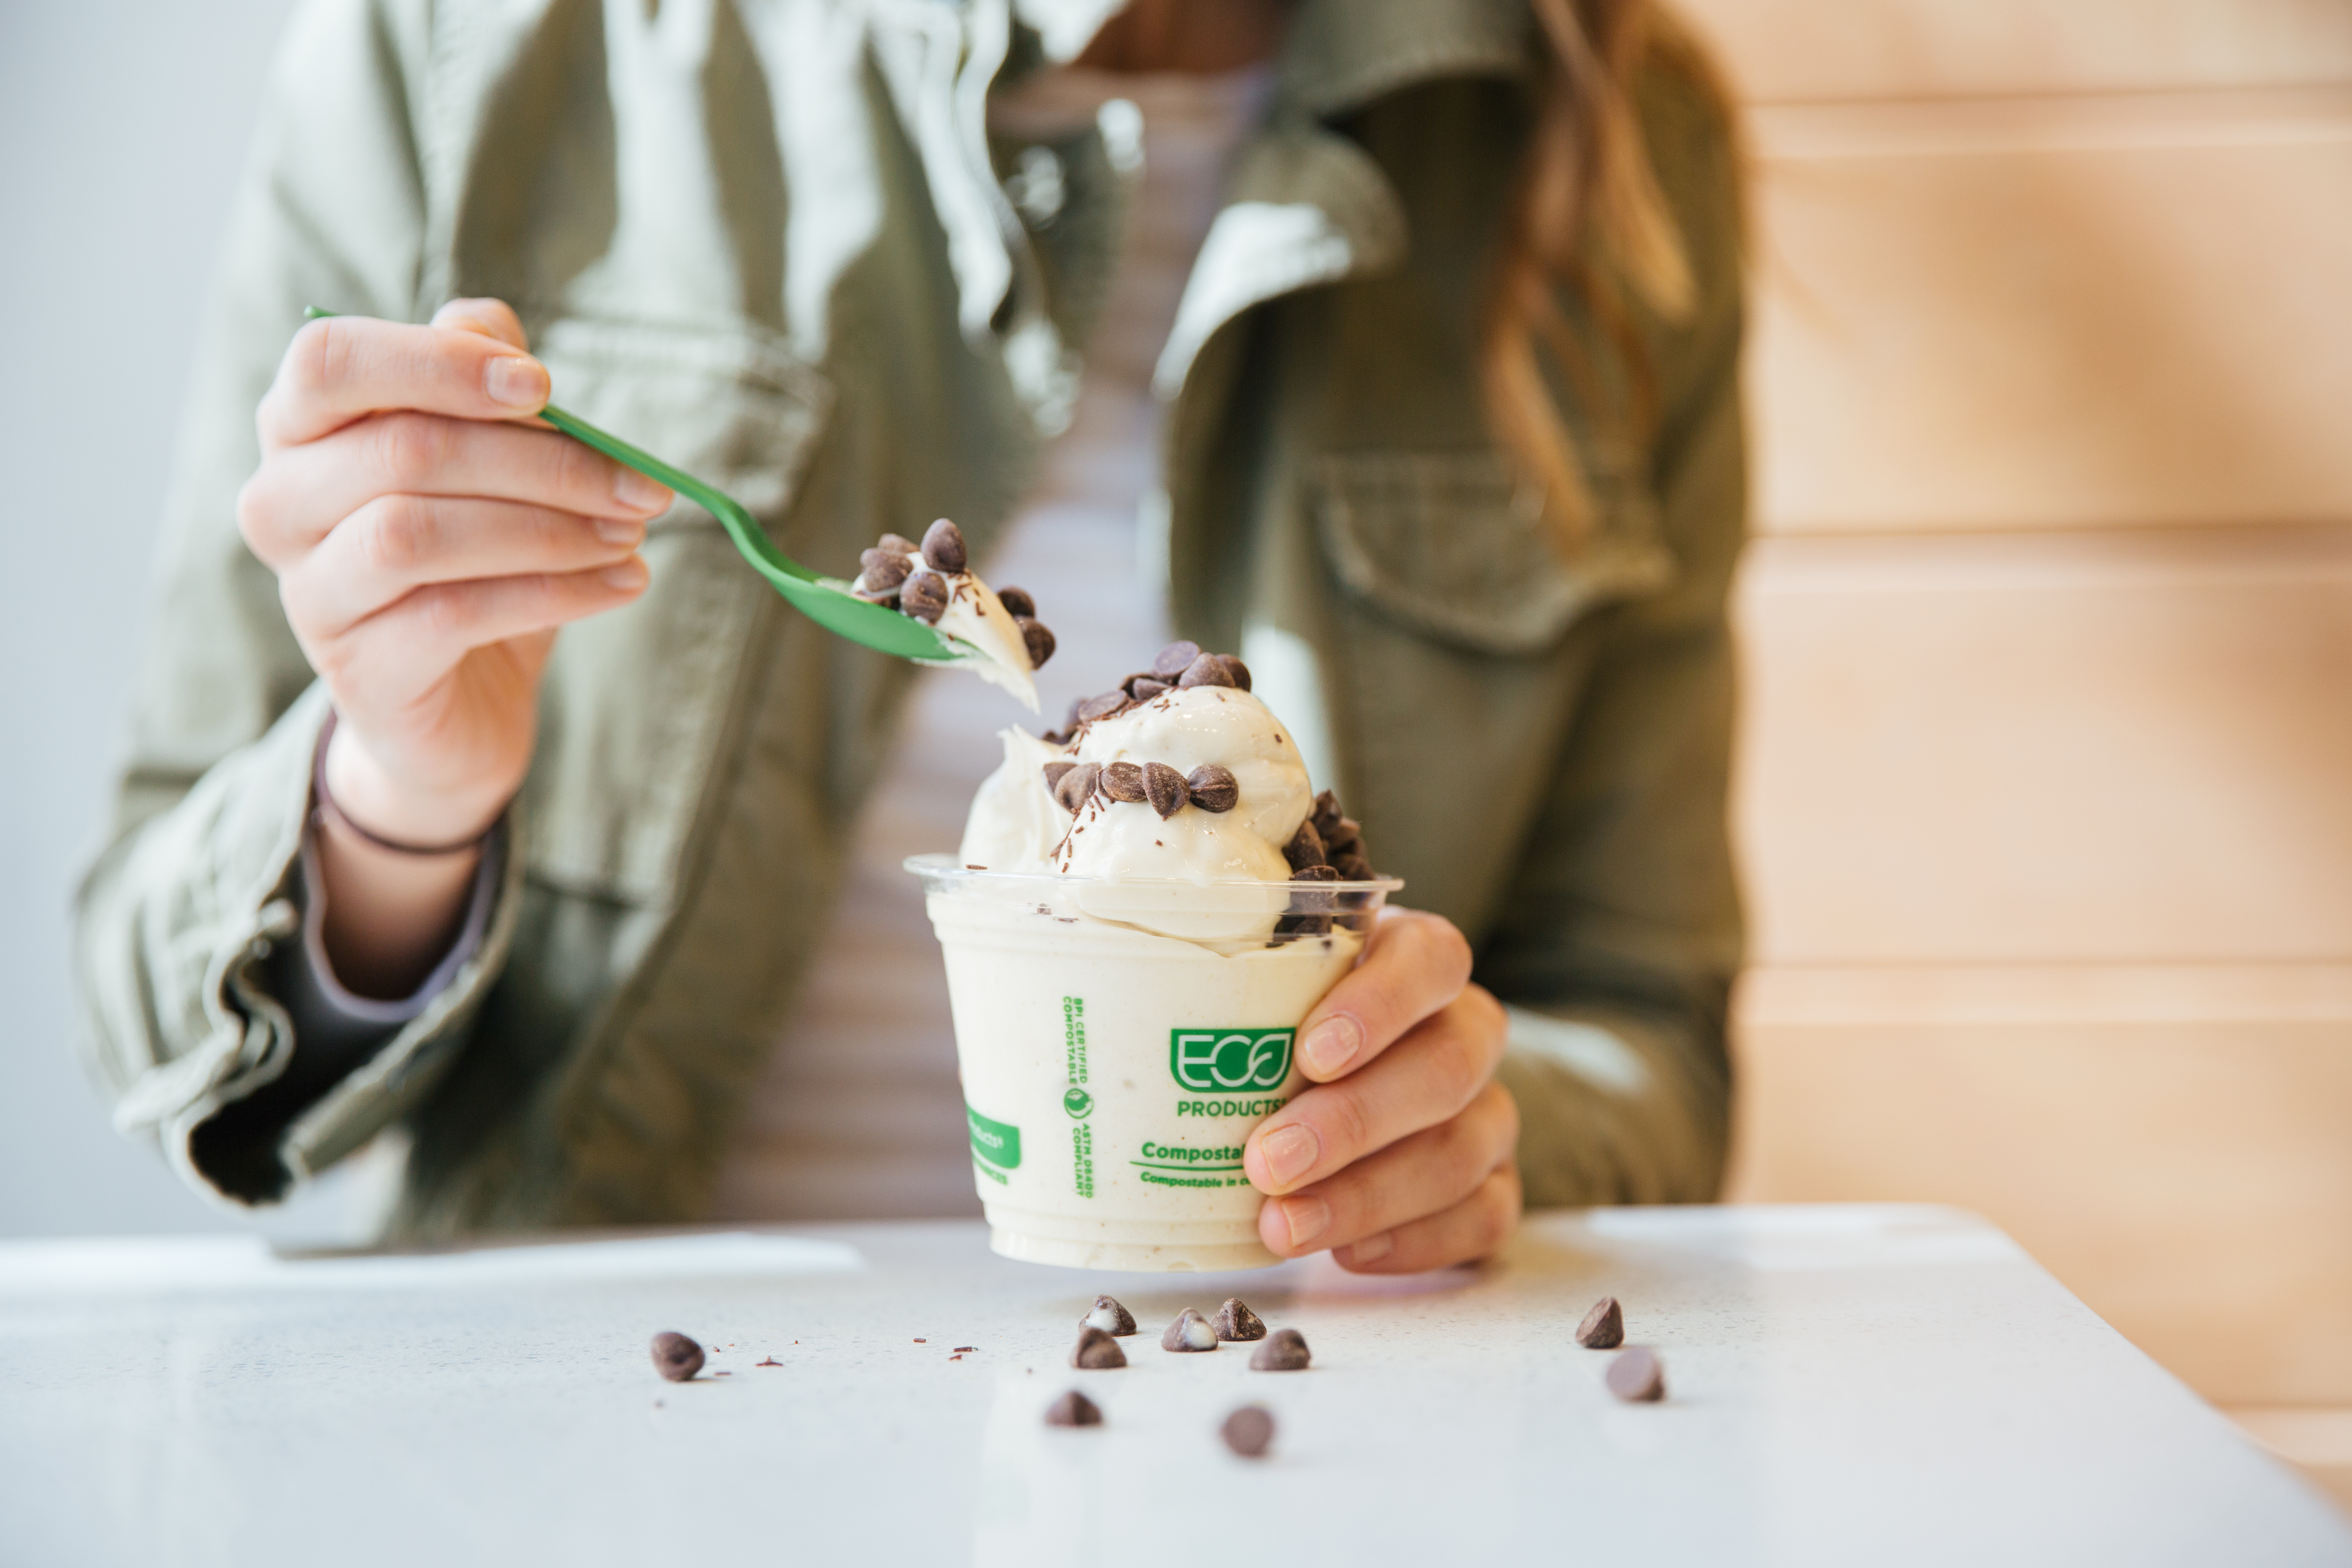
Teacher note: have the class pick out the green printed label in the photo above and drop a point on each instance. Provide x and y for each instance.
(1209, 1062)
(995, 1142)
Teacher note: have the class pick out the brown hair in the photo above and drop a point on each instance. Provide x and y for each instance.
(1588, 218)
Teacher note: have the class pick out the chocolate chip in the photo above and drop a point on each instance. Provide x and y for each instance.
(1237, 1321)
(1189, 1331)
(1053, 772)
(1124, 781)
(1060, 737)
(1206, 671)
(1303, 925)
(1248, 1431)
(1316, 874)
(1072, 789)
(1304, 848)
(675, 1357)
(925, 597)
(1097, 1351)
(1285, 1351)
(884, 597)
(1163, 786)
(1603, 1328)
(882, 571)
(1110, 1317)
(1128, 683)
(1213, 787)
(1341, 837)
(1016, 602)
(1326, 810)
(897, 544)
(1236, 672)
(1101, 706)
(1073, 1409)
(1038, 639)
(1174, 659)
(943, 546)
(1146, 687)
(1637, 1376)
(1354, 867)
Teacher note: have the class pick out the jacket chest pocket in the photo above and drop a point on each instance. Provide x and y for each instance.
(636, 702)
(1437, 543)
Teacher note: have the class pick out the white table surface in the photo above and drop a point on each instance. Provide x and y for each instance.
(1848, 1384)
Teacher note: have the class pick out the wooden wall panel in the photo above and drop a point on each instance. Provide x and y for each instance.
(2084, 748)
(2188, 1177)
(1783, 52)
(2054, 315)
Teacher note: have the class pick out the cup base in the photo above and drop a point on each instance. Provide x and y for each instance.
(1142, 1258)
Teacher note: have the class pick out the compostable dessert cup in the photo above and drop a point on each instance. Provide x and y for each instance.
(1119, 1040)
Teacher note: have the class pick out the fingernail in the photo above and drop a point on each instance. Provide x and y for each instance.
(1329, 1046)
(1306, 1217)
(518, 383)
(627, 575)
(632, 489)
(1288, 1153)
(1371, 1249)
(620, 530)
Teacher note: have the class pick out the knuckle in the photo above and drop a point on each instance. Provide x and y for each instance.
(1347, 1124)
(410, 448)
(396, 533)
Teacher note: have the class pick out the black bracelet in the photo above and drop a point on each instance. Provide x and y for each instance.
(326, 809)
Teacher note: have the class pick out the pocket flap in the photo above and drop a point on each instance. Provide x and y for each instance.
(1435, 542)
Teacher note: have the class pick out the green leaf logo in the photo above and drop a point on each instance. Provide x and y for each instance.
(1209, 1062)
(1078, 1102)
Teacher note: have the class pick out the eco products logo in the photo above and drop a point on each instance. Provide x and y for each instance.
(1209, 1060)
(997, 1143)
(1077, 1102)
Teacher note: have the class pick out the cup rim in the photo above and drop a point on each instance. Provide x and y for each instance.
(946, 867)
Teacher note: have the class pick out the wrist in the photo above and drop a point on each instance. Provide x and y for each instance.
(383, 804)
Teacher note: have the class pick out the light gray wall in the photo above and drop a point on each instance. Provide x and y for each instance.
(123, 123)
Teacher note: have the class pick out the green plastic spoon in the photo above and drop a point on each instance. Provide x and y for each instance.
(827, 602)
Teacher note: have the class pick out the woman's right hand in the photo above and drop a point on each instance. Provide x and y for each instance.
(428, 542)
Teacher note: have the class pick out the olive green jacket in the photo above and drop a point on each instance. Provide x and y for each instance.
(773, 241)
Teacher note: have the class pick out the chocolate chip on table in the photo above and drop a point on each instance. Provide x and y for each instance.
(1174, 659)
(1236, 672)
(1234, 1321)
(1637, 1376)
(1101, 706)
(898, 544)
(1603, 1328)
(1249, 1431)
(1074, 786)
(1213, 787)
(1206, 671)
(1097, 1351)
(1016, 602)
(1164, 787)
(1073, 1409)
(1284, 1351)
(1124, 781)
(882, 571)
(1189, 1331)
(1304, 848)
(943, 546)
(1037, 638)
(1109, 1316)
(1146, 686)
(675, 1357)
(1053, 773)
(925, 597)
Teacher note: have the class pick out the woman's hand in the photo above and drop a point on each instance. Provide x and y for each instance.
(427, 544)
(1401, 1157)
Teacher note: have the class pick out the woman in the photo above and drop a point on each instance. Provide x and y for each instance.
(1448, 407)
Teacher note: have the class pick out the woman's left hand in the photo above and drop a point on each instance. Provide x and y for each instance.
(1401, 1156)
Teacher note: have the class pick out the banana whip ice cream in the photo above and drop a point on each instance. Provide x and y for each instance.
(1146, 903)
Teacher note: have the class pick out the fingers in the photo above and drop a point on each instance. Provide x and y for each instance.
(1471, 1229)
(1414, 964)
(1428, 1173)
(1421, 1081)
(397, 543)
(347, 367)
(301, 493)
(408, 649)
(491, 318)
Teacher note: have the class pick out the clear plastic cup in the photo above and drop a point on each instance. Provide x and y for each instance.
(1119, 1039)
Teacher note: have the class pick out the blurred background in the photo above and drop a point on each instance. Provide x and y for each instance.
(2045, 795)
